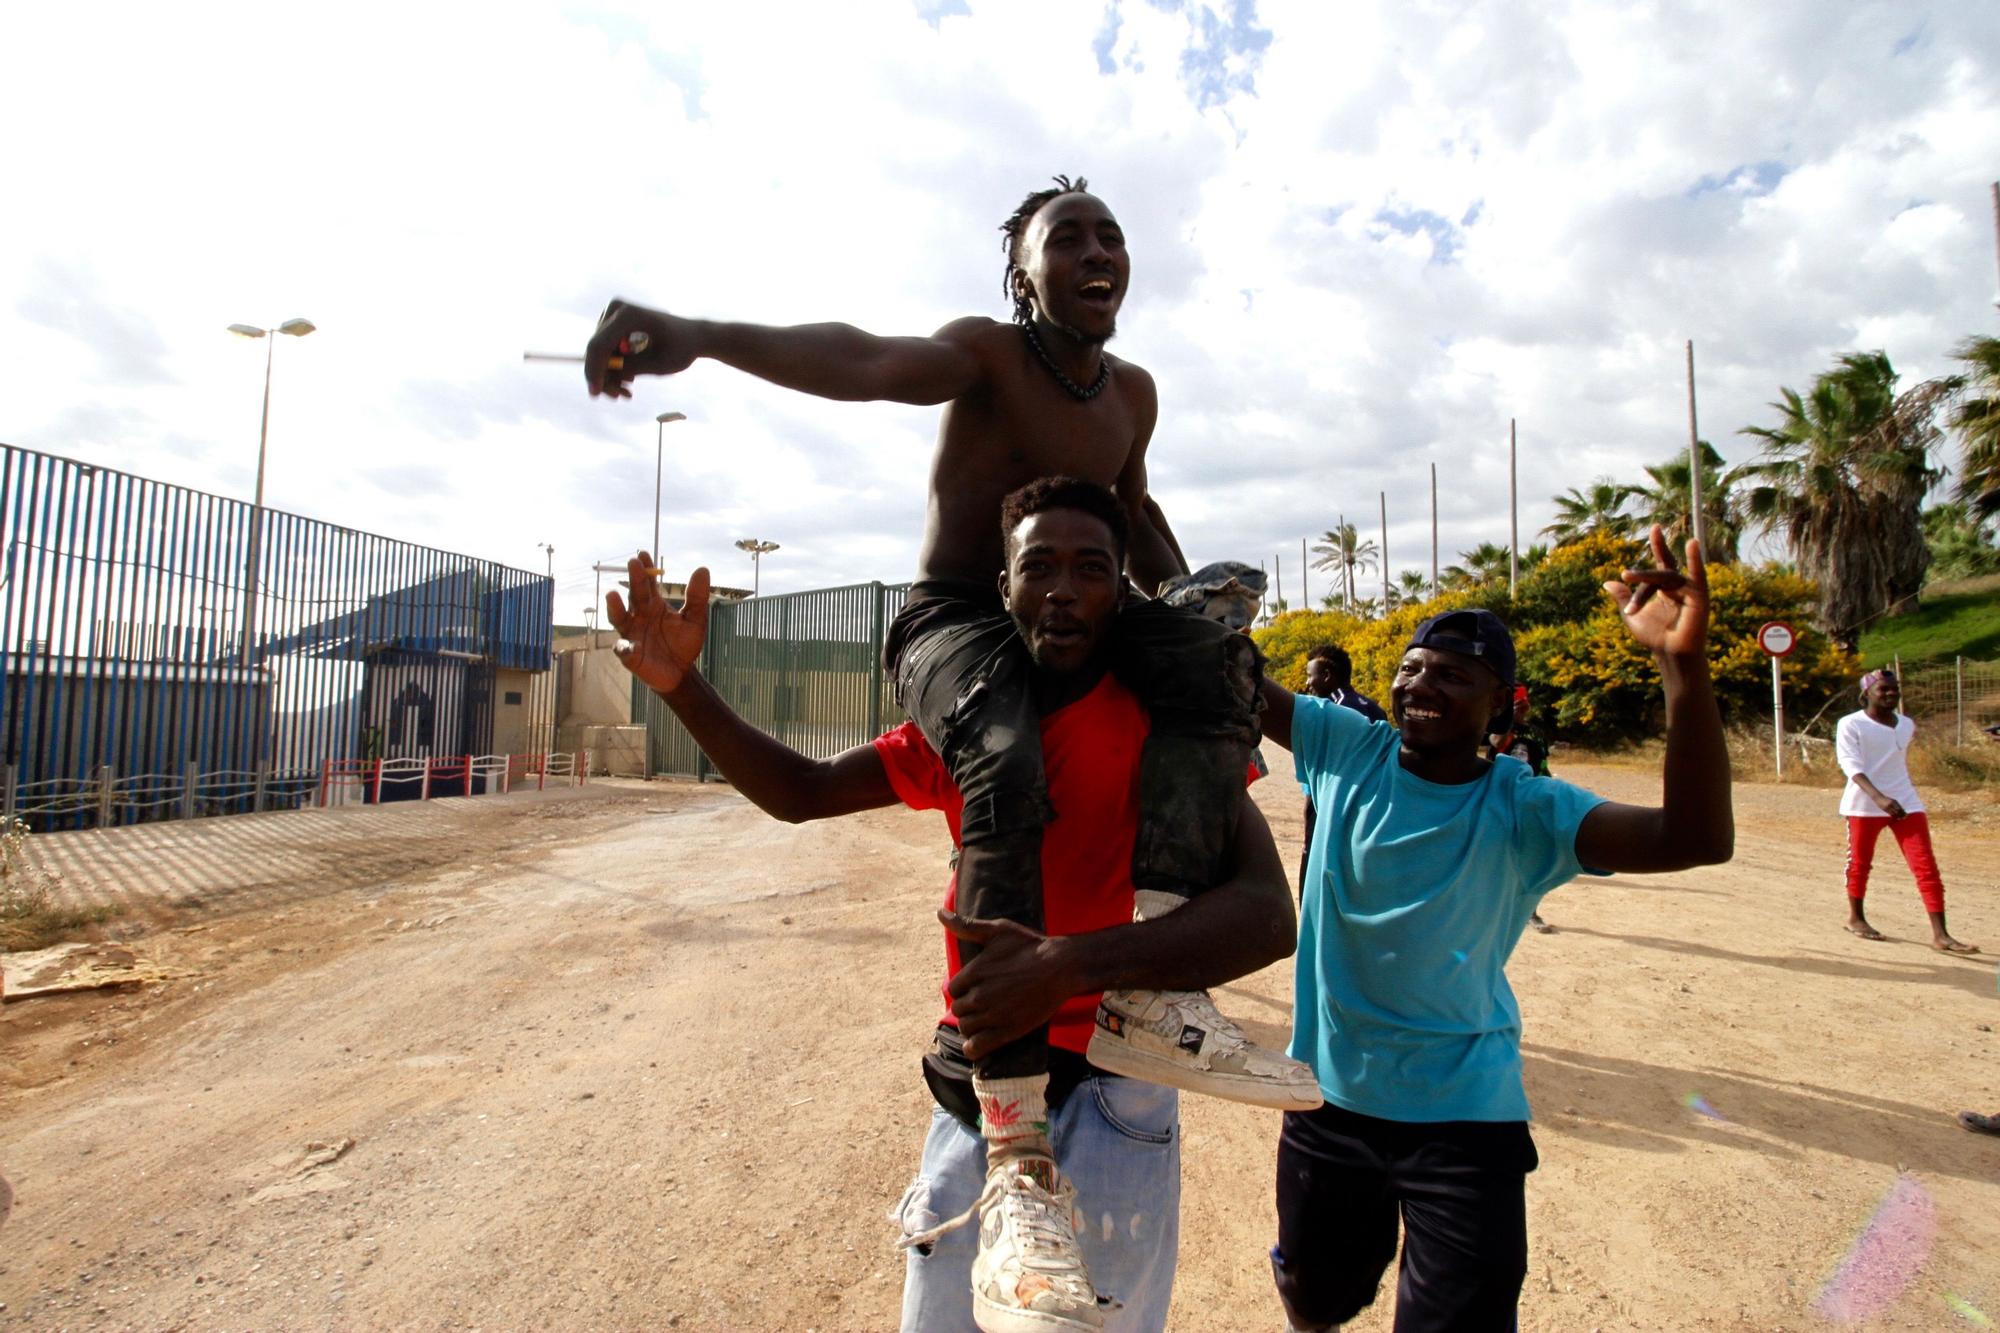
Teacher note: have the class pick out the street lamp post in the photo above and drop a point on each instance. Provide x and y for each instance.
(758, 550)
(547, 702)
(659, 469)
(297, 328)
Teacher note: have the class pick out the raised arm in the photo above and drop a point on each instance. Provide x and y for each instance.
(1277, 719)
(829, 360)
(661, 646)
(1020, 978)
(1694, 824)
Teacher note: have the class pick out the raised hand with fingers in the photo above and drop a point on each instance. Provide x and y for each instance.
(658, 643)
(1666, 610)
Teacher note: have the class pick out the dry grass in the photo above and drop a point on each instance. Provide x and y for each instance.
(1934, 765)
(30, 918)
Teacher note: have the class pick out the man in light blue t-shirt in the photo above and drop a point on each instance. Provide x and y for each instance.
(1425, 866)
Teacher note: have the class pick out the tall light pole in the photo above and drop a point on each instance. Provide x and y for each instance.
(659, 471)
(1434, 529)
(547, 701)
(297, 328)
(758, 550)
(1383, 497)
(1697, 528)
(1513, 515)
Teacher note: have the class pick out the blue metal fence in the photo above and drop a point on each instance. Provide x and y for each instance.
(151, 631)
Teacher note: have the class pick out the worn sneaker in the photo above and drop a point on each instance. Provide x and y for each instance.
(1179, 1038)
(1028, 1275)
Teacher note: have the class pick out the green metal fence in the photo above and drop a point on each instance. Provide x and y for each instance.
(805, 668)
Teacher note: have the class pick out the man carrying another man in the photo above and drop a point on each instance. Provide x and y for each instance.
(1114, 1138)
(1034, 398)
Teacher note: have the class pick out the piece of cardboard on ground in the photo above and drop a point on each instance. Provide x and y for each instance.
(73, 967)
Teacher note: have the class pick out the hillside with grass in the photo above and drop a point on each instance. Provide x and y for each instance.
(1960, 618)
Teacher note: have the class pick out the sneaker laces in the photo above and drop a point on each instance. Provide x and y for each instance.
(1047, 1229)
(1044, 1233)
(996, 1185)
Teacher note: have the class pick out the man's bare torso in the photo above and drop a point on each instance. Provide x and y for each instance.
(1018, 425)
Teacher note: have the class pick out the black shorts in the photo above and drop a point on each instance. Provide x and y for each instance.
(1345, 1182)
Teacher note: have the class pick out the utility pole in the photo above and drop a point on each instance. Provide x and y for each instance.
(1513, 514)
(1305, 580)
(1346, 553)
(1434, 529)
(1383, 498)
(1695, 524)
(1996, 226)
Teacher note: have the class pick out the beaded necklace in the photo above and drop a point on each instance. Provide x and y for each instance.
(1070, 386)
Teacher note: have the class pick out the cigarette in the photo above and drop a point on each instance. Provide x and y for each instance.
(615, 363)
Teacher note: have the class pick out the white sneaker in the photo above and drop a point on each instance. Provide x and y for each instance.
(1179, 1038)
(1029, 1275)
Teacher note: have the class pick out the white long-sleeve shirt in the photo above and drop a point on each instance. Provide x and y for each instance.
(1863, 745)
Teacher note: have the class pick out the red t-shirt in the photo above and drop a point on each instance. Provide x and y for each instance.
(1090, 752)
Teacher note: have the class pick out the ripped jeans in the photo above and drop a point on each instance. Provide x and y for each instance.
(965, 678)
(1118, 1140)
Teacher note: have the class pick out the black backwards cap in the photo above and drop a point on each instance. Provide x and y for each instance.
(1475, 632)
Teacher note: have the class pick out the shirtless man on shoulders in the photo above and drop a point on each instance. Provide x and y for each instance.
(1034, 398)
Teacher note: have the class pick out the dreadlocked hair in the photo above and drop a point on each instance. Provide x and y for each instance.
(1015, 227)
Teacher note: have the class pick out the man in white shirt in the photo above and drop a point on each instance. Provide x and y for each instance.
(1873, 749)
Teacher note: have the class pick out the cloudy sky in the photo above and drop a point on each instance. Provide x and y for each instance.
(1364, 236)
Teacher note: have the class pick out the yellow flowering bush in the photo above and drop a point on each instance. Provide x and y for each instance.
(1588, 679)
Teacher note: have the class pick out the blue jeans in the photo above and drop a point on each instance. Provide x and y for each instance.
(1118, 1140)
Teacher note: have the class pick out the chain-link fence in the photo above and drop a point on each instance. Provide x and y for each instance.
(805, 668)
(1957, 699)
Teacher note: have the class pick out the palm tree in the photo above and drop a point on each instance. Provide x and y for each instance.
(1410, 586)
(1669, 503)
(1484, 563)
(1843, 476)
(1342, 549)
(1977, 421)
(1601, 508)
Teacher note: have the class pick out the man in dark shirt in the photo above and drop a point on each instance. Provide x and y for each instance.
(1330, 675)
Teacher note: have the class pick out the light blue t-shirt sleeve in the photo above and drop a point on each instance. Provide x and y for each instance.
(1324, 736)
(1549, 811)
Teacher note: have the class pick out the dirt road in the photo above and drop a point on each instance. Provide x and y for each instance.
(638, 1057)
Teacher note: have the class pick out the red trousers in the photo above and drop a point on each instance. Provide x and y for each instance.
(1913, 835)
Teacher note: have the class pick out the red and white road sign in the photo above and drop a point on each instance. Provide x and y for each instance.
(1777, 638)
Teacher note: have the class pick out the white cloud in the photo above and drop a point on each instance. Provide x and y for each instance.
(1424, 219)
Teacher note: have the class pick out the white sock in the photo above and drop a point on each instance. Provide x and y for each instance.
(1014, 1115)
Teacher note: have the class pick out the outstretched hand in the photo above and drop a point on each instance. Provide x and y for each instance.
(1666, 610)
(642, 341)
(657, 643)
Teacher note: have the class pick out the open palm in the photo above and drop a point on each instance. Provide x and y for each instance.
(1666, 610)
(659, 643)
